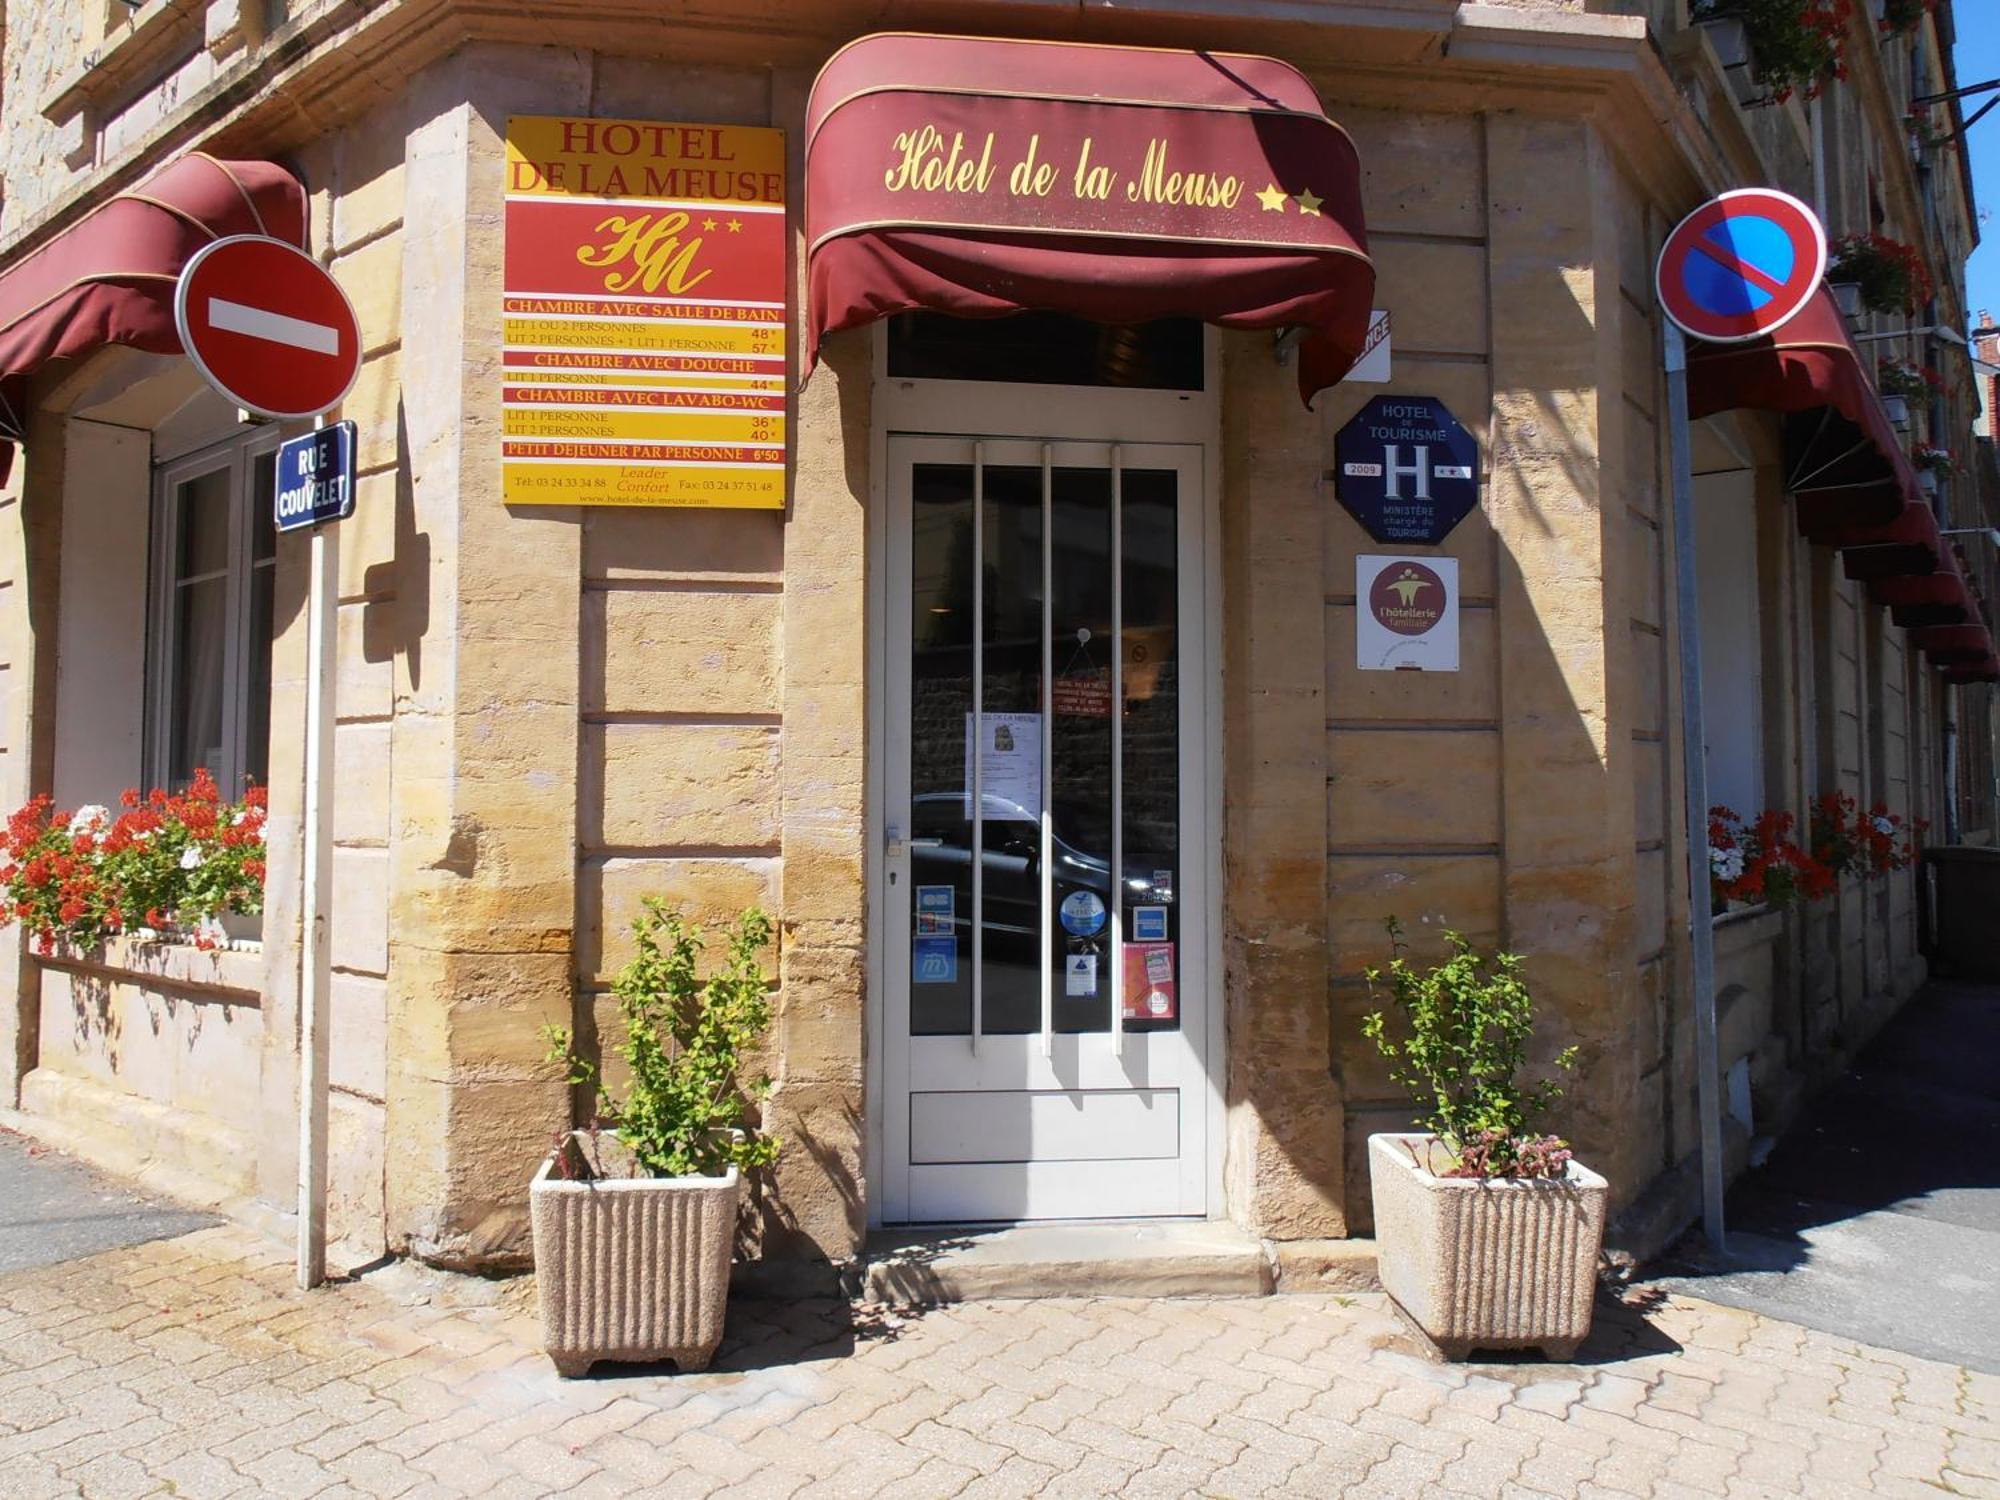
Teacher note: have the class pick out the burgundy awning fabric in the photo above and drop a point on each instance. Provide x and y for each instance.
(1852, 482)
(109, 277)
(981, 177)
(1937, 598)
(1955, 645)
(1850, 469)
(1908, 544)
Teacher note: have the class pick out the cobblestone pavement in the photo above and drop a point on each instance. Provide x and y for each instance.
(192, 1367)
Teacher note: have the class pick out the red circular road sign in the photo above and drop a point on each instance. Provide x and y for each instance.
(1741, 265)
(268, 326)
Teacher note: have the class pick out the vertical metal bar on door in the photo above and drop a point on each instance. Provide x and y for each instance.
(978, 747)
(1048, 705)
(1116, 901)
(1694, 754)
(316, 961)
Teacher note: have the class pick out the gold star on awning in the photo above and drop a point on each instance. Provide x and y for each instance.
(1273, 198)
(1309, 202)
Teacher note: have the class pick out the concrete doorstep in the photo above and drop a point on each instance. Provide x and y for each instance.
(1167, 1258)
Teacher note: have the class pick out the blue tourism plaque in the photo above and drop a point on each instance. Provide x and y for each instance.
(1406, 470)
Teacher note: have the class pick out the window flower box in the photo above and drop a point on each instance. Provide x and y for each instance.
(1793, 46)
(1890, 274)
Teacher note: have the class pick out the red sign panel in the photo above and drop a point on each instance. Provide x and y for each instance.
(646, 304)
(268, 326)
(1741, 265)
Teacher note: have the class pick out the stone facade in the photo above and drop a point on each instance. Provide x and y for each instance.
(545, 714)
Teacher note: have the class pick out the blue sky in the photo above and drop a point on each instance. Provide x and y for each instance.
(1978, 59)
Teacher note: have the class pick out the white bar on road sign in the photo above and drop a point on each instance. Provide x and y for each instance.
(276, 328)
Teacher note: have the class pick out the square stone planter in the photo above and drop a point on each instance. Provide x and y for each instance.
(630, 1268)
(1509, 1263)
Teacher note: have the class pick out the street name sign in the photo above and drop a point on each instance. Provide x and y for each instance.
(267, 326)
(1741, 266)
(1406, 470)
(315, 478)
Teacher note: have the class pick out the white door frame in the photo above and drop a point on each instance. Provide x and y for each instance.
(1061, 413)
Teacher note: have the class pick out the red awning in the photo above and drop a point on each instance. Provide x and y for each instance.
(1854, 485)
(980, 177)
(109, 277)
(1848, 464)
(1918, 599)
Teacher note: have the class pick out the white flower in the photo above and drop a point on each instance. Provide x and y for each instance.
(242, 817)
(1884, 827)
(89, 818)
(191, 858)
(1725, 864)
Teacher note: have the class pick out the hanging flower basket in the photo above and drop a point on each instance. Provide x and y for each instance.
(1798, 45)
(1759, 863)
(1931, 460)
(1899, 16)
(1891, 274)
(1850, 842)
(1898, 377)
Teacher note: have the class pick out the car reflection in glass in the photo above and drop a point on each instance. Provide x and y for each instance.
(1011, 861)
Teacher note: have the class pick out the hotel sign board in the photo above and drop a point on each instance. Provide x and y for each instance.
(646, 314)
(1406, 614)
(1406, 470)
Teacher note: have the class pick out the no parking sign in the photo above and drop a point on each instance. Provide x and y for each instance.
(1741, 265)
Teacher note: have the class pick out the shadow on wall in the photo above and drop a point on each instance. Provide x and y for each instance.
(90, 1008)
(1510, 820)
(397, 614)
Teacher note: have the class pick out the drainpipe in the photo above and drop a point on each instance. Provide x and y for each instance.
(1951, 833)
(1817, 113)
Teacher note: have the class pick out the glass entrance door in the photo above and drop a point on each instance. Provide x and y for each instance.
(1043, 884)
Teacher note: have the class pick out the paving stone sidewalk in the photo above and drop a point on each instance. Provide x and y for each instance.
(192, 1367)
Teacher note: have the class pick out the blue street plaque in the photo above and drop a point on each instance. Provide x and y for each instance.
(316, 478)
(1406, 470)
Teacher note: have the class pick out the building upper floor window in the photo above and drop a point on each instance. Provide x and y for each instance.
(1732, 650)
(208, 665)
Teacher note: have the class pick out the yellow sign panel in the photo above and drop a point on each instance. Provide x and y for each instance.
(646, 314)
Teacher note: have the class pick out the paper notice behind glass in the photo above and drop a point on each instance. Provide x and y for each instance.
(1010, 766)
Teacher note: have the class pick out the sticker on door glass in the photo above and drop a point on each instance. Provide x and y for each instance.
(1080, 976)
(1083, 913)
(1150, 992)
(934, 909)
(1010, 766)
(1163, 885)
(934, 960)
(1149, 924)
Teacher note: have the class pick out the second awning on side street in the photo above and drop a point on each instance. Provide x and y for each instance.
(981, 177)
(1854, 487)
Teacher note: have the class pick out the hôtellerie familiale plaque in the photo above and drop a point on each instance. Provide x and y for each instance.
(646, 314)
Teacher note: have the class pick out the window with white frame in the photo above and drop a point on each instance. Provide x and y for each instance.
(208, 663)
(1732, 649)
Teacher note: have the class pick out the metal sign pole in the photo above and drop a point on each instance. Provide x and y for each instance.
(316, 966)
(1701, 927)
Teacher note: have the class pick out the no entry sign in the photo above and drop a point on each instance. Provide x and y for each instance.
(267, 326)
(1741, 265)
